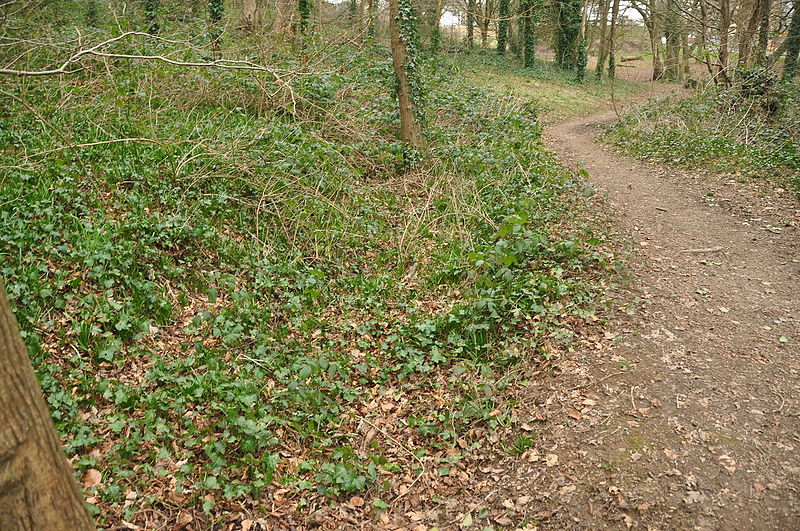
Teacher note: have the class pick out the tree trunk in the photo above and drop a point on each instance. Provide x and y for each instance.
(673, 43)
(410, 130)
(704, 37)
(284, 15)
(502, 27)
(685, 53)
(748, 30)
(763, 31)
(724, 31)
(602, 46)
(529, 33)
(486, 19)
(470, 24)
(250, 15)
(612, 41)
(792, 44)
(37, 488)
(372, 19)
(435, 26)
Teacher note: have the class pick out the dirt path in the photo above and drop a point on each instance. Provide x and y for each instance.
(687, 415)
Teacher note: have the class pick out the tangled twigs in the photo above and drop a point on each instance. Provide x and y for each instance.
(68, 67)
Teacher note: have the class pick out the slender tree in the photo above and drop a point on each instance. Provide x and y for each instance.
(37, 488)
(602, 45)
(470, 39)
(405, 49)
(763, 31)
(502, 27)
(792, 44)
(371, 19)
(485, 19)
(581, 58)
(612, 40)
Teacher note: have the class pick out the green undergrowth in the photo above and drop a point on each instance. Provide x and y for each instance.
(556, 93)
(749, 130)
(226, 299)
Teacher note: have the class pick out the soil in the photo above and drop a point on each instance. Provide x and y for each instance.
(685, 414)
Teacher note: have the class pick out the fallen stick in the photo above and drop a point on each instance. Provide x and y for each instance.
(703, 250)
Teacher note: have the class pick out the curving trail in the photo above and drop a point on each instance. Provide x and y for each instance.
(687, 415)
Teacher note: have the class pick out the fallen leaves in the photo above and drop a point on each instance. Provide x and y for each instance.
(92, 478)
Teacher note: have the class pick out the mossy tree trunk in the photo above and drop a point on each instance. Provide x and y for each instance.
(602, 46)
(37, 488)
(216, 10)
(502, 27)
(528, 32)
(612, 41)
(568, 26)
(792, 44)
(402, 28)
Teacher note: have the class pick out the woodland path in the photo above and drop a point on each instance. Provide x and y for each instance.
(686, 414)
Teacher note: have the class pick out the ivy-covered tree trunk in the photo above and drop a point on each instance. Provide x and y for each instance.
(304, 8)
(435, 29)
(151, 15)
(763, 31)
(37, 488)
(602, 46)
(216, 10)
(502, 27)
(371, 19)
(612, 41)
(567, 29)
(404, 40)
(529, 32)
(792, 44)
(470, 39)
(582, 58)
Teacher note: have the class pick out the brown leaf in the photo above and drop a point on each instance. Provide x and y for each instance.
(357, 501)
(92, 478)
(574, 413)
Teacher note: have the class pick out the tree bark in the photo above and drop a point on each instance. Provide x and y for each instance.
(284, 13)
(612, 40)
(724, 35)
(792, 44)
(763, 31)
(37, 488)
(602, 46)
(470, 42)
(410, 130)
(748, 30)
(250, 15)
